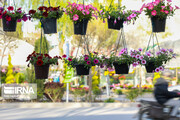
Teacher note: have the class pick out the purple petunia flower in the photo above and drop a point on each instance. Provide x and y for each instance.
(161, 68)
(157, 70)
(141, 57)
(134, 64)
(143, 62)
(171, 50)
(96, 61)
(88, 62)
(86, 58)
(137, 56)
(140, 49)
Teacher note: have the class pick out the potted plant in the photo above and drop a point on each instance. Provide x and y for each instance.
(158, 11)
(48, 17)
(80, 15)
(10, 17)
(116, 16)
(121, 62)
(41, 64)
(82, 63)
(153, 63)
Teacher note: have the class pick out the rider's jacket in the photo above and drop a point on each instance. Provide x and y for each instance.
(161, 92)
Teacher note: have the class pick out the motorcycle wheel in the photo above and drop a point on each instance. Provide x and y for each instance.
(144, 115)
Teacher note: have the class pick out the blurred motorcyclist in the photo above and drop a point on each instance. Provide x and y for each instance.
(165, 97)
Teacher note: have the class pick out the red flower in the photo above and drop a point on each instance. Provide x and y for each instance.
(45, 14)
(40, 58)
(18, 9)
(46, 55)
(32, 11)
(60, 57)
(0, 15)
(50, 9)
(64, 56)
(8, 18)
(10, 8)
(4, 12)
(41, 8)
(39, 62)
(55, 8)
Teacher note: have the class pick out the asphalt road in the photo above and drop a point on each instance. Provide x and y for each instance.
(83, 113)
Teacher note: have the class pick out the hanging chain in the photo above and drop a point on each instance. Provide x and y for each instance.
(49, 3)
(79, 46)
(153, 36)
(14, 4)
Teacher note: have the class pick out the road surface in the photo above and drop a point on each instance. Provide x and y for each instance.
(80, 113)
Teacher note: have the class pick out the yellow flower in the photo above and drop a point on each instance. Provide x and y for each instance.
(106, 73)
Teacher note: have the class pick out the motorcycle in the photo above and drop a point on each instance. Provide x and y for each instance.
(151, 110)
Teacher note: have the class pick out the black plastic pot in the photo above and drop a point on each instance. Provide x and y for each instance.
(49, 25)
(80, 27)
(121, 68)
(150, 67)
(9, 26)
(82, 70)
(41, 72)
(117, 26)
(158, 25)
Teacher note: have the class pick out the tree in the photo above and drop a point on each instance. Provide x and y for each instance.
(5, 42)
(44, 45)
(10, 77)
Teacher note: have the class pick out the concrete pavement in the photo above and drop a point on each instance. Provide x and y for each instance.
(69, 113)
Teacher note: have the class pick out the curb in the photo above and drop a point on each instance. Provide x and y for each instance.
(59, 105)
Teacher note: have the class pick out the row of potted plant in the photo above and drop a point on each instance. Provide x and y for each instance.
(121, 63)
(80, 14)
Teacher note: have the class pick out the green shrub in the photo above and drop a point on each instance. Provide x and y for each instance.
(54, 90)
(118, 91)
(110, 100)
(0, 91)
(132, 94)
(78, 92)
(97, 92)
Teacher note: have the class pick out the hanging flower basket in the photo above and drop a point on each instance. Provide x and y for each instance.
(115, 24)
(158, 25)
(150, 67)
(82, 70)
(80, 27)
(41, 72)
(9, 26)
(49, 25)
(121, 68)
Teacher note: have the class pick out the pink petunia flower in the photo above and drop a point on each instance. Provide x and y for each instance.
(177, 7)
(153, 13)
(163, 7)
(151, 7)
(75, 17)
(133, 15)
(166, 11)
(115, 21)
(169, 0)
